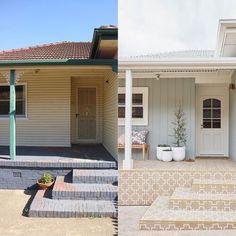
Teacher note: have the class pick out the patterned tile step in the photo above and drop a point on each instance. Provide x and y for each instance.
(186, 198)
(64, 190)
(95, 176)
(160, 217)
(214, 186)
(43, 206)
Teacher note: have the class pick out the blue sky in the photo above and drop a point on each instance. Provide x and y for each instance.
(29, 22)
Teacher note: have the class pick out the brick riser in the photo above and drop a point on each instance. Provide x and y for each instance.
(71, 191)
(95, 176)
(68, 199)
(43, 206)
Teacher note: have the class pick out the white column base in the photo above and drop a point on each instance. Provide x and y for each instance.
(128, 164)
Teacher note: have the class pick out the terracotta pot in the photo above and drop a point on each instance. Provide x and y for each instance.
(45, 186)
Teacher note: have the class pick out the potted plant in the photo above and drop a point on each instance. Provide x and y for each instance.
(160, 148)
(167, 155)
(179, 135)
(45, 181)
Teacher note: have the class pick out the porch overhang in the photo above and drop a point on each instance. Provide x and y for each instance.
(24, 64)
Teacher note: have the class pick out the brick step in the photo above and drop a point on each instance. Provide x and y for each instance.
(66, 190)
(44, 206)
(95, 176)
(187, 199)
(214, 186)
(160, 217)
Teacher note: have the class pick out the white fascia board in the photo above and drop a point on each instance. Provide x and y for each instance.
(219, 63)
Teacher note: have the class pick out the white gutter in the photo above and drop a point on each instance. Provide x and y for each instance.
(211, 63)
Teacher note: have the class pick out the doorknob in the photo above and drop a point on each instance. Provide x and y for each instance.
(201, 126)
(76, 115)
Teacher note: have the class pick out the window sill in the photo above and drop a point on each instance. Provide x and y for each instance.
(17, 118)
(121, 122)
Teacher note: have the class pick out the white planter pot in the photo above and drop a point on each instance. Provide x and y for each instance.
(166, 156)
(178, 153)
(159, 152)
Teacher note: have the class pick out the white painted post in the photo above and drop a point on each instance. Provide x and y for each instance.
(128, 162)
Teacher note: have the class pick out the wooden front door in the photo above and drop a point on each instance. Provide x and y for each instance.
(86, 115)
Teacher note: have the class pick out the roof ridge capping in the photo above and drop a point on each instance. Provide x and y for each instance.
(108, 27)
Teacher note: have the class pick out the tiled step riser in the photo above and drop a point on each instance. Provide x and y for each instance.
(160, 217)
(84, 195)
(210, 205)
(161, 226)
(211, 188)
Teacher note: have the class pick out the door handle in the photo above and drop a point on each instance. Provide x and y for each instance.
(201, 126)
(76, 115)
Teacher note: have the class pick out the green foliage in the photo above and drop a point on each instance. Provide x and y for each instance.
(46, 179)
(180, 134)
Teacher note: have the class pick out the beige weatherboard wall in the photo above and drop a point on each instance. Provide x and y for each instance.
(47, 122)
(51, 107)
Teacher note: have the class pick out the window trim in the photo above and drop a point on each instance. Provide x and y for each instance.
(18, 117)
(137, 121)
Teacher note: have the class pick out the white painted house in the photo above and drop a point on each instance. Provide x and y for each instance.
(201, 81)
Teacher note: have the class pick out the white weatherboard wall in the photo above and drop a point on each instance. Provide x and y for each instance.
(48, 105)
(232, 120)
(164, 97)
(110, 113)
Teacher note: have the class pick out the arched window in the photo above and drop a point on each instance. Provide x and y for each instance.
(211, 113)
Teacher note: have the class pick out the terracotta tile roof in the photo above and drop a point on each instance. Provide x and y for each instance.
(60, 50)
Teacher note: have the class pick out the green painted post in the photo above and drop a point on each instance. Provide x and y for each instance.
(12, 115)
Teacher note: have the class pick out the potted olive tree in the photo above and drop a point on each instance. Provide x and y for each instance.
(178, 150)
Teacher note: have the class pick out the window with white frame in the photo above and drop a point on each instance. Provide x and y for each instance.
(139, 106)
(20, 100)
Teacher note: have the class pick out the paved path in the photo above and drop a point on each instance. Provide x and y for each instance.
(12, 223)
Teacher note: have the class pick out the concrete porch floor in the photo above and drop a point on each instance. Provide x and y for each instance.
(87, 152)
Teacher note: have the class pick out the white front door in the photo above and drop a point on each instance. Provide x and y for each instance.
(86, 115)
(212, 120)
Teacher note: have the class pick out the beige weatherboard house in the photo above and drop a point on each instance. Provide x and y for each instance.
(184, 195)
(65, 93)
